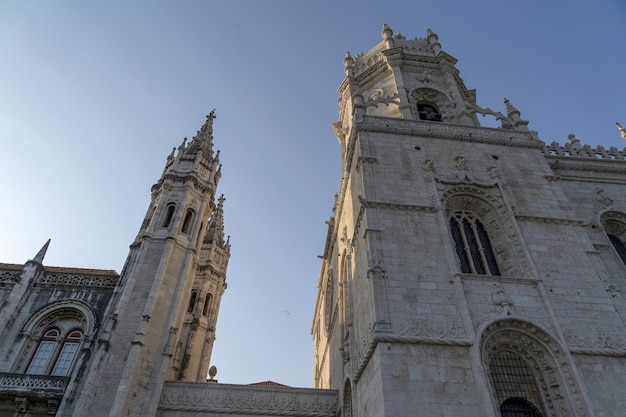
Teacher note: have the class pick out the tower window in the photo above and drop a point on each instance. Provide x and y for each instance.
(169, 214)
(207, 303)
(187, 222)
(472, 245)
(192, 301)
(428, 112)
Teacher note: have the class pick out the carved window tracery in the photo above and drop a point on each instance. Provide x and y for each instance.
(472, 244)
(523, 361)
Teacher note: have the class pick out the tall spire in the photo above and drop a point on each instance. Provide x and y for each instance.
(202, 142)
(42, 253)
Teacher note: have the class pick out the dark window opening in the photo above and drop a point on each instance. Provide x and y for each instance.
(619, 246)
(192, 301)
(472, 245)
(207, 303)
(428, 112)
(519, 407)
(187, 222)
(169, 215)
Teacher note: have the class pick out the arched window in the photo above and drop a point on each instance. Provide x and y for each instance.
(619, 246)
(187, 222)
(429, 112)
(169, 214)
(472, 245)
(514, 380)
(192, 301)
(207, 303)
(67, 353)
(55, 355)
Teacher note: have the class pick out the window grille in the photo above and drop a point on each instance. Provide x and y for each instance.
(514, 385)
(619, 246)
(472, 245)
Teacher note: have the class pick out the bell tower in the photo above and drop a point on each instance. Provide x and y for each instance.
(431, 292)
(161, 322)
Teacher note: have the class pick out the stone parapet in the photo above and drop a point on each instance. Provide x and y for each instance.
(219, 399)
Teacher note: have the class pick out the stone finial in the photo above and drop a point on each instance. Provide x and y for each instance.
(387, 35)
(621, 129)
(574, 140)
(348, 64)
(42, 253)
(433, 41)
(510, 109)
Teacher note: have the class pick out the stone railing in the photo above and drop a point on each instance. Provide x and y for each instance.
(79, 280)
(10, 277)
(219, 399)
(576, 150)
(33, 385)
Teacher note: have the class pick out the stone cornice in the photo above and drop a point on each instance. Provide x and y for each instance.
(183, 179)
(594, 165)
(440, 130)
(248, 400)
(552, 220)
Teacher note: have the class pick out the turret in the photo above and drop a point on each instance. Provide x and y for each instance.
(159, 324)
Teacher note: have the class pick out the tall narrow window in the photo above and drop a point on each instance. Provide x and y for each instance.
(169, 214)
(472, 245)
(187, 222)
(45, 349)
(207, 303)
(619, 246)
(192, 301)
(67, 354)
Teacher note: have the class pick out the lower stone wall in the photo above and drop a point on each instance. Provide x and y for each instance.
(182, 399)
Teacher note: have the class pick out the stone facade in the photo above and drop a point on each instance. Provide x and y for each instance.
(467, 270)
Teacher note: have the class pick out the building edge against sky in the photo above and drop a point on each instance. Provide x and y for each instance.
(458, 258)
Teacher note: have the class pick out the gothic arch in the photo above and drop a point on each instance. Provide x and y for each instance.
(614, 225)
(543, 369)
(46, 315)
(499, 225)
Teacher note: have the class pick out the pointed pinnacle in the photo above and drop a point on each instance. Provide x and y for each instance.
(42, 253)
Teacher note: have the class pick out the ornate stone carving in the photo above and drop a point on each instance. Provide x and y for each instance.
(10, 277)
(449, 131)
(248, 400)
(79, 280)
(545, 356)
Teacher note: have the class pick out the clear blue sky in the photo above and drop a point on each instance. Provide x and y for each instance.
(93, 96)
